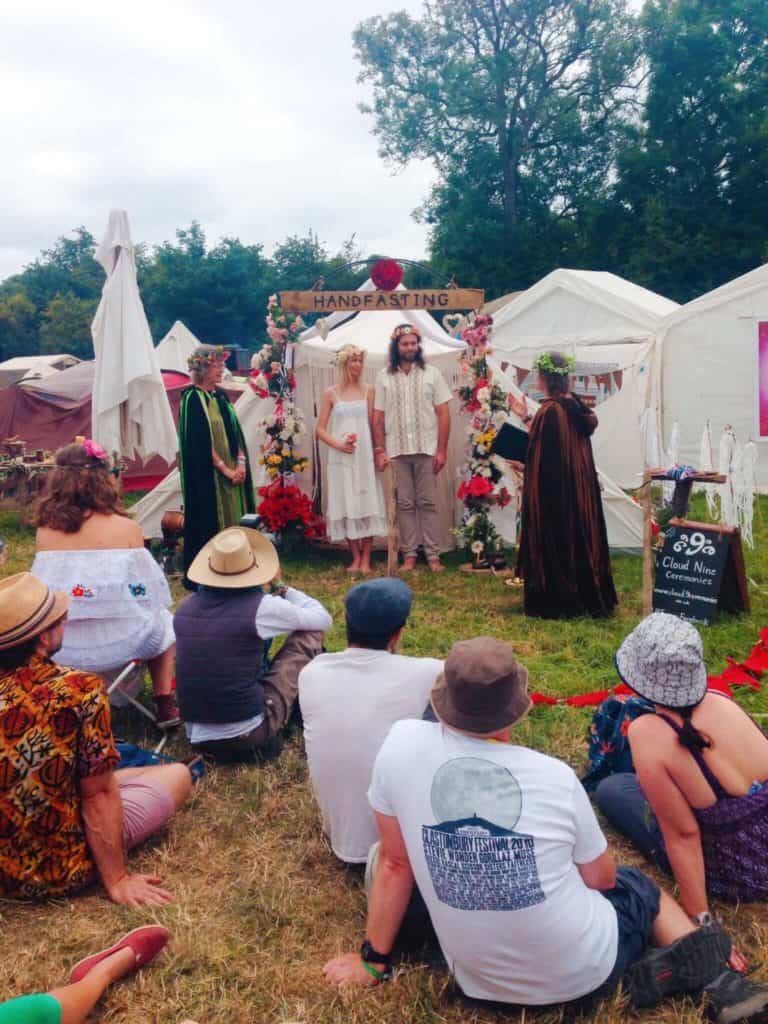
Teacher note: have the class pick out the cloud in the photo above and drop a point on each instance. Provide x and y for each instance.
(241, 115)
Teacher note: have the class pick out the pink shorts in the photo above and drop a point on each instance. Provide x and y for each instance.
(147, 807)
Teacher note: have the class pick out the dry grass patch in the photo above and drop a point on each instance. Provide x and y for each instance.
(261, 902)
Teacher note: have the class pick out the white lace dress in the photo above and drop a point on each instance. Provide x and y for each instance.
(118, 606)
(355, 499)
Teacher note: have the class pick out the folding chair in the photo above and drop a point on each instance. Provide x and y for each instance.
(123, 690)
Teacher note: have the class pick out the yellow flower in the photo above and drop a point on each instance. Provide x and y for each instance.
(286, 452)
(274, 460)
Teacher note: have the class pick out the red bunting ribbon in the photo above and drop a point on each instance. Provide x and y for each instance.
(738, 673)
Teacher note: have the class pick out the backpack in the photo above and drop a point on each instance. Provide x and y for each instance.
(609, 751)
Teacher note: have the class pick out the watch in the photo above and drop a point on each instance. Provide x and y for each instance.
(704, 919)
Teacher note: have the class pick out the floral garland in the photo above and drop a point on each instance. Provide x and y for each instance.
(481, 489)
(283, 504)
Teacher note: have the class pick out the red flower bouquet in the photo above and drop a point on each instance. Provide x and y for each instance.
(285, 505)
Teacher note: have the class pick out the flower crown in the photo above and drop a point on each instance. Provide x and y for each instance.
(204, 359)
(404, 329)
(544, 364)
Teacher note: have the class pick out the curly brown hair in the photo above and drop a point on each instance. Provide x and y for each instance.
(79, 486)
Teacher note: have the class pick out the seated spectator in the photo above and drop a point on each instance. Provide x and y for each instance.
(71, 1004)
(233, 708)
(527, 902)
(350, 699)
(698, 805)
(66, 816)
(119, 598)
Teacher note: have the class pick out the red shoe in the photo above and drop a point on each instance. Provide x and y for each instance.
(146, 943)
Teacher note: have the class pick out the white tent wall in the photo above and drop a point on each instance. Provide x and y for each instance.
(176, 347)
(618, 441)
(706, 367)
(580, 302)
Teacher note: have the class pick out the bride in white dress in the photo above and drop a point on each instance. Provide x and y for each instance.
(356, 511)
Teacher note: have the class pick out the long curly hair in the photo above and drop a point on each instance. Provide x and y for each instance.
(394, 354)
(79, 486)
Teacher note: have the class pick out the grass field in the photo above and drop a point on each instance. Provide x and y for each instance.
(261, 903)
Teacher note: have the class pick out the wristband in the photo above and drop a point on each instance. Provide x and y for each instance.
(241, 460)
(379, 448)
(374, 973)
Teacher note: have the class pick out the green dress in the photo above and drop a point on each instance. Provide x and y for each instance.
(208, 423)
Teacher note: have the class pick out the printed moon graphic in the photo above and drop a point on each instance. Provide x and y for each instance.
(469, 786)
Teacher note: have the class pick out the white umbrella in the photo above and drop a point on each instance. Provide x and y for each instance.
(130, 414)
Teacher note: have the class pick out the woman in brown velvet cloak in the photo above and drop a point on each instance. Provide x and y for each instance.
(563, 552)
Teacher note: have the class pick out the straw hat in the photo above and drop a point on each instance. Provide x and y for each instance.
(482, 689)
(662, 659)
(27, 607)
(236, 557)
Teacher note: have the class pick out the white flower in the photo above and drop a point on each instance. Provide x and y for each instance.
(477, 547)
(499, 418)
(471, 522)
(484, 471)
(482, 449)
(300, 428)
(483, 395)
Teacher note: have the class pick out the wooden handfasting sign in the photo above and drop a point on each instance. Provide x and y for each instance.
(436, 299)
(700, 569)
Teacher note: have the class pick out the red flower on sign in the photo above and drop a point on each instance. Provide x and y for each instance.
(386, 275)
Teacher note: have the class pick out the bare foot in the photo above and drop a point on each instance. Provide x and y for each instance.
(409, 564)
(354, 567)
(365, 568)
(436, 565)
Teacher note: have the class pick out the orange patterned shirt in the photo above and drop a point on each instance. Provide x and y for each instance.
(54, 730)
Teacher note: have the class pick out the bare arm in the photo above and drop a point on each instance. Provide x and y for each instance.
(682, 838)
(599, 873)
(443, 414)
(388, 902)
(380, 454)
(322, 423)
(103, 817)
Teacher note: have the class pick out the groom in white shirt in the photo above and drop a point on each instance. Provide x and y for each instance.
(234, 706)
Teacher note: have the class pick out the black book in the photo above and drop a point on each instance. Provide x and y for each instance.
(511, 443)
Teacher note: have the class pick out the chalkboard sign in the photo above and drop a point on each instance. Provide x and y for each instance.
(699, 569)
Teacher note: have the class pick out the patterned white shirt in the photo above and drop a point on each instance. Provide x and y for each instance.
(408, 402)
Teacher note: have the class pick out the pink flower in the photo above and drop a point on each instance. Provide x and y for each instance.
(94, 450)
(275, 334)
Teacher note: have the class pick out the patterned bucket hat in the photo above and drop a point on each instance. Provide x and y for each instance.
(662, 659)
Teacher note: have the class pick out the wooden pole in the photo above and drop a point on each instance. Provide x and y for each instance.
(392, 545)
(647, 549)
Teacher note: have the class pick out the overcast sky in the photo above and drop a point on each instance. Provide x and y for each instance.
(240, 114)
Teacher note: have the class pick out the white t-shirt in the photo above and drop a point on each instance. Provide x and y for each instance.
(494, 833)
(349, 701)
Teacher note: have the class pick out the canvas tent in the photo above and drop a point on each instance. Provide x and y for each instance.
(176, 347)
(50, 413)
(707, 366)
(33, 367)
(314, 369)
(608, 325)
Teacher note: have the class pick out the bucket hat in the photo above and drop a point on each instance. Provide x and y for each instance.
(237, 557)
(27, 607)
(482, 688)
(662, 659)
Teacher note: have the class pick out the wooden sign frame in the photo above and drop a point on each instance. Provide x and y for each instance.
(435, 300)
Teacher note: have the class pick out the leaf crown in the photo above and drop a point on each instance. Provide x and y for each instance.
(545, 364)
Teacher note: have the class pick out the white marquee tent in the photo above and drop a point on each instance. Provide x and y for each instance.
(314, 369)
(176, 347)
(707, 366)
(609, 325)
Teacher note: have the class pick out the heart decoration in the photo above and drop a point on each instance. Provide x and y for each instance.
(452, 322)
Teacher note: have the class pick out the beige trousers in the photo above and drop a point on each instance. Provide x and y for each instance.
(416, 485)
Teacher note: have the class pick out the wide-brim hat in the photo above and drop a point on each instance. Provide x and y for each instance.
(482, 688)
(236, 557)
(662, 659)
(27, 607)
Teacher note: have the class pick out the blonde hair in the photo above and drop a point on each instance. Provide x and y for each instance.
(343, 356)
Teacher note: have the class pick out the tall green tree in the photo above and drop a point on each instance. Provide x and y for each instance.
(66, 325)
(520, 104)
(692, 193)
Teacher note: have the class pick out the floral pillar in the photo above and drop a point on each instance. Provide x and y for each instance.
(283, 504)
(481, 489)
